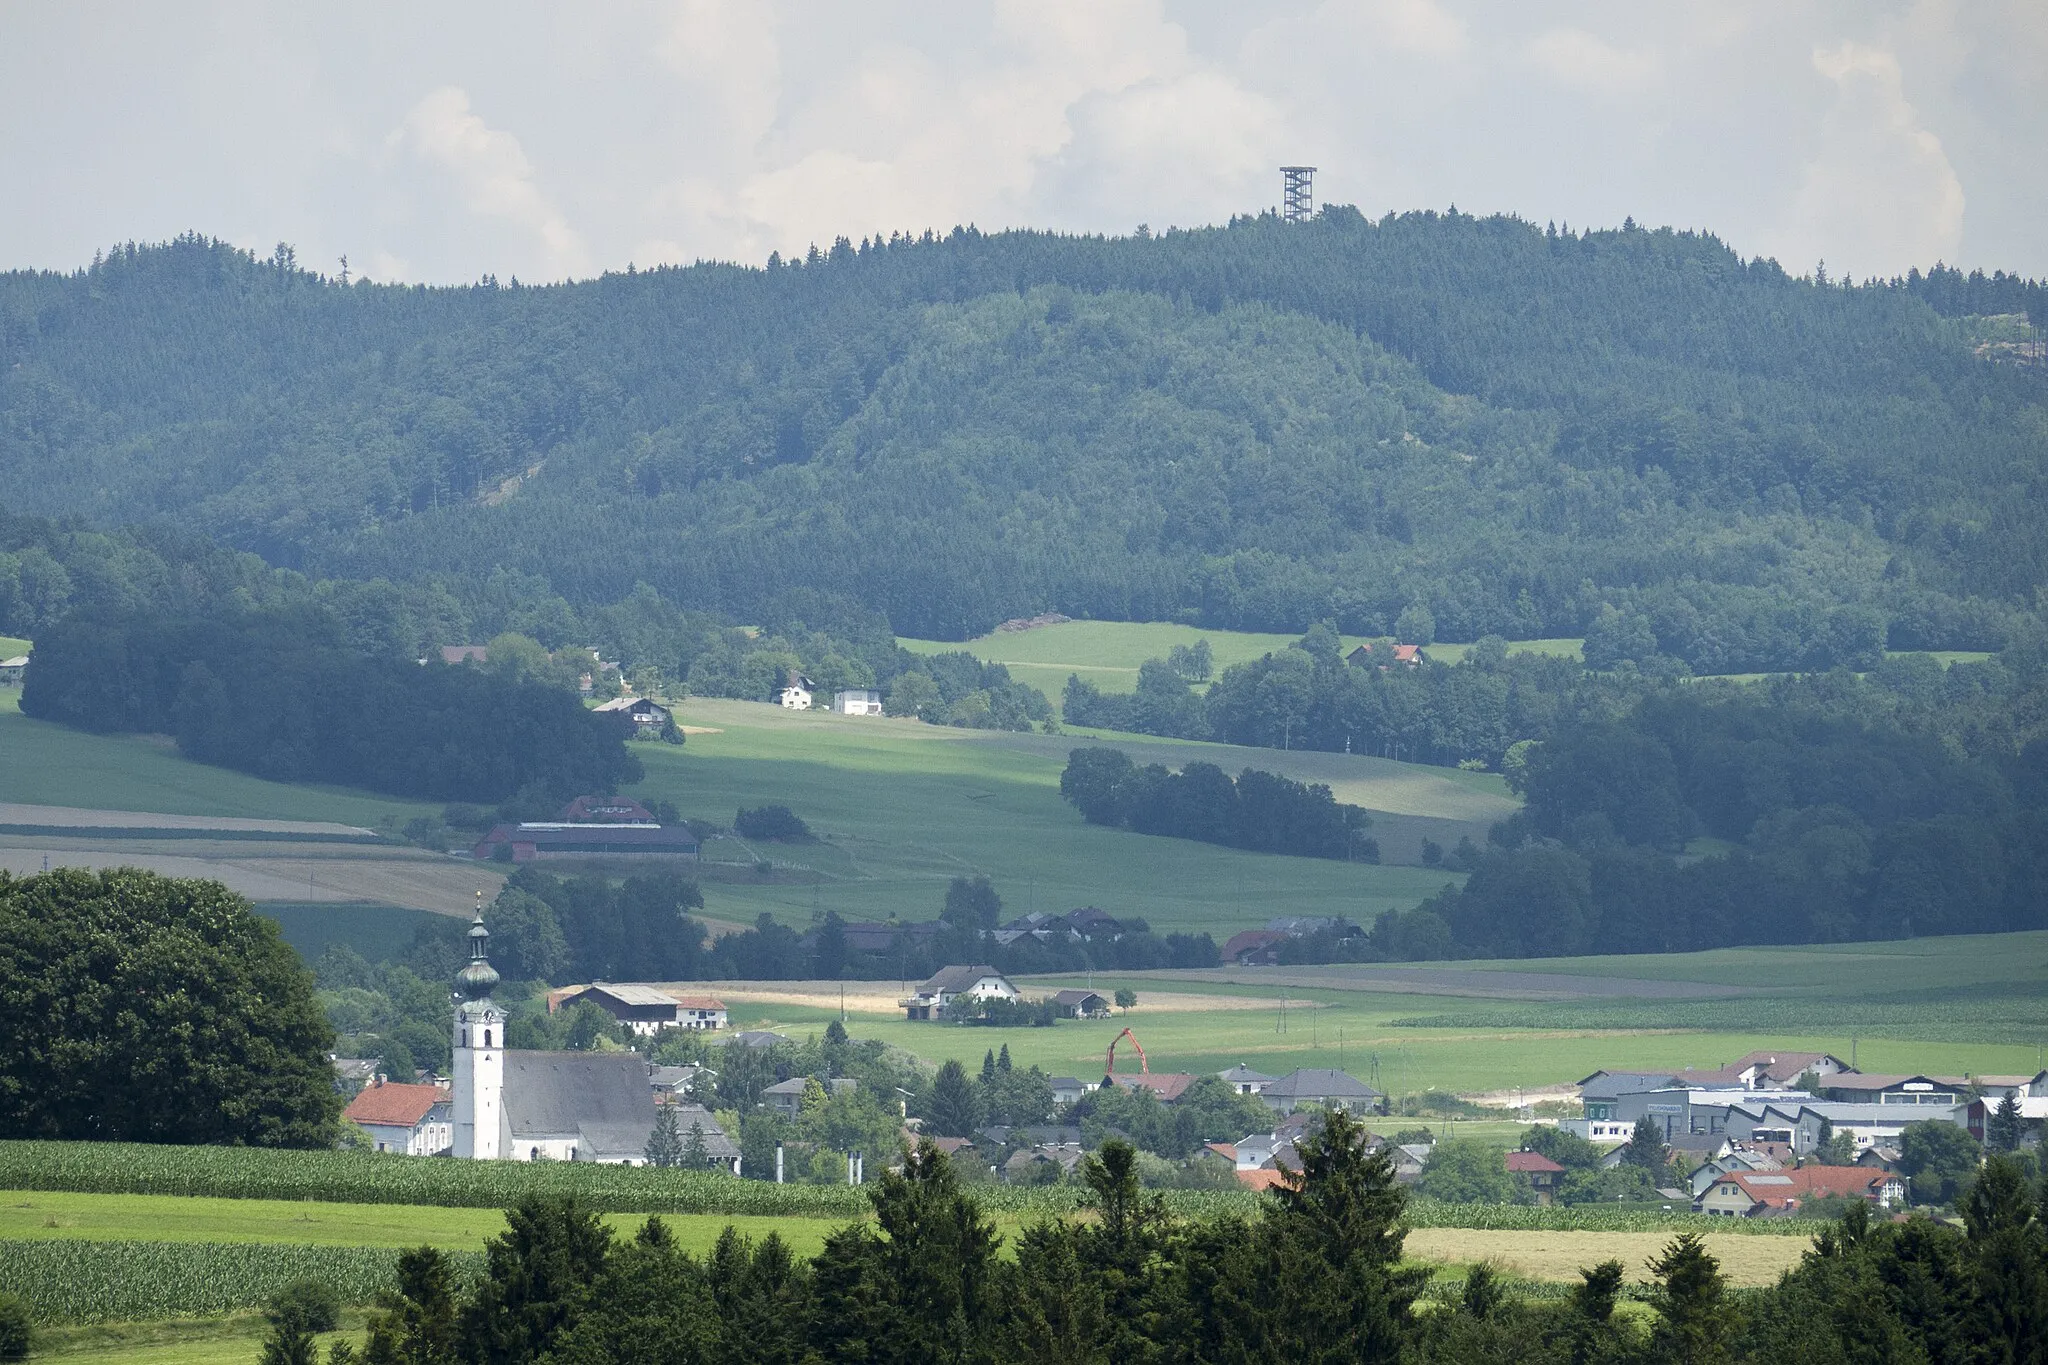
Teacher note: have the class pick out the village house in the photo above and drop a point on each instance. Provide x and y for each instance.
(759, 1039)
(648, 717)
(795, 692)
(1166, 1086)
(1319, 1088)
(13, 670)
(1253, 948)
(1079, 1004)
(1067, 1090)
(674, 1083)
(414, 1120)
(1539, 1172)
(787, 1097)
(1244, 1080)
(857, 701)
(464, 654)
(1753, 1194)
(956, 983)
(719, 1148)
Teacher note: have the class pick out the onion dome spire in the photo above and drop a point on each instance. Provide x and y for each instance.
(475, 980)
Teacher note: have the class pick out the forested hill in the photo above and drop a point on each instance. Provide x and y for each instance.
(1255, 426)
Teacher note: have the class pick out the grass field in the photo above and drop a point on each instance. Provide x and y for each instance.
(903, 807)
(1942, 1005)
(1108, 653)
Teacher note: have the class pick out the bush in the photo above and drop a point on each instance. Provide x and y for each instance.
(306, 1305)
(772, 822)
(15, 1334)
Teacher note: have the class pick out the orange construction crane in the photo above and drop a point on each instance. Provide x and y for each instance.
(1109, 1064)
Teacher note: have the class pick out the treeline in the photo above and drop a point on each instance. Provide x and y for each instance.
(1316, 1274)
(587, 928)
(1250, 426)
(280, 694)
(1829, 827)
(1257, 811)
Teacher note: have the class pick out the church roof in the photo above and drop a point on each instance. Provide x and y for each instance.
(601, 1098)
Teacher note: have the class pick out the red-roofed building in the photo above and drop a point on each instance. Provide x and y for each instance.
(412, 1119)
(1751, 1194)
(1265, 1178)
(1253, 947)
(1166, 1086)
(1540, 1171)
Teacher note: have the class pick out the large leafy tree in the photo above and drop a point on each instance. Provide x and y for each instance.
(141, 1008)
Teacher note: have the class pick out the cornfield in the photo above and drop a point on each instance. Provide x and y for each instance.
(1423, 1213)
(77, 1281)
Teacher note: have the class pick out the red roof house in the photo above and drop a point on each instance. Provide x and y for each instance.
(1540, 1171)
(1750, 1194)
(413, 1119)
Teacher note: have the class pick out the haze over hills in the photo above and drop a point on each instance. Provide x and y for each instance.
(1255, 426)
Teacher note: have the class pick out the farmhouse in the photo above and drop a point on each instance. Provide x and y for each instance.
(12, 670)
(647, 1010)
(1319, 1088)
(1254, 947)
(464, 654)
(857, 701)
(648, 717)
(1078, 1004)
(954, 983)
(538, 1106)
(1752, 1194)
(412, 1119)
(795, 692)
(589, 827)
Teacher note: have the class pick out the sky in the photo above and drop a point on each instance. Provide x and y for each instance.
(440, 142)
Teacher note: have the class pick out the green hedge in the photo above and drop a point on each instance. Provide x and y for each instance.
(66, 1281)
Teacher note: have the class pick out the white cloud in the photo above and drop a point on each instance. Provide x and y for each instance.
(1878, 195)
(1583, 61)
(730, 51)
(496, 178)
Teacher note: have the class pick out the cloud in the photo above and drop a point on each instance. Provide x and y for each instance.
(496, 179)
(1580, 60)
(1879, 191)
(730, 51)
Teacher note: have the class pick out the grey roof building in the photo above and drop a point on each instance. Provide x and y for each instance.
(755, 1037)
(1246, 1081)
(1322, 1087)
(577, 1106)
(718, 1145)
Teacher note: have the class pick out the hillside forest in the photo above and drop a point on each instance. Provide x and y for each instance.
(245, 499)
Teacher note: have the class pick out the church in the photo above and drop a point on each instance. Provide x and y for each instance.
(539, 1106)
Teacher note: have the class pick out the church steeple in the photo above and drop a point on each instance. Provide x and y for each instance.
(475, 981)
(479, 1047)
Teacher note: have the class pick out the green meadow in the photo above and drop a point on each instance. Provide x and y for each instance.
(49, 765)
(902, 807)
(1109, 653)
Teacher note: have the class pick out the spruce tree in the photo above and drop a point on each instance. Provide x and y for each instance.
(665, 1143)
(952, 1110)
(696, 1156)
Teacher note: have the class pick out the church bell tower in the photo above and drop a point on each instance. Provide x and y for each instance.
(479, 1052)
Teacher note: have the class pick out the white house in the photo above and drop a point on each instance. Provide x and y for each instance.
(648, 717)
(1246, 1081)
(415, 1120)
(954, 983)
(12, 671)
(795, 692)
(857, 701)
(539, 1106)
